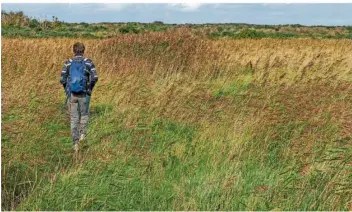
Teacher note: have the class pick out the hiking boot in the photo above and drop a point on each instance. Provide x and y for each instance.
(75, 147)
(83, 136)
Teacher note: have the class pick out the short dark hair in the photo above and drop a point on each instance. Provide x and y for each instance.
(78, 48)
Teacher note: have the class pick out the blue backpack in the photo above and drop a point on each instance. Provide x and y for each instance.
(78, 82)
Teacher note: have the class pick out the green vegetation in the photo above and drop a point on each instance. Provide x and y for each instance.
(179, 122)
(160, 164)
(19, 25)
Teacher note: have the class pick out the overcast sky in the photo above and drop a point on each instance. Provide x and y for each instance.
(305, 14)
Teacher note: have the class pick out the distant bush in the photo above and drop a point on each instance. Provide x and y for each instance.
(214, 35)
(34, 23)
(267, 26)
(14, 18)
(84, 24)
(220, 29)
(88, 35)
(249, 33)
(158, 22)
(129, 28)
(282, 35)
(47, 25)
(349, 28)
(73, 29)
(98, 28)
(155, 27)
(228, 34)
(252, 34)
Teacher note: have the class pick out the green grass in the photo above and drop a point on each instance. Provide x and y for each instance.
(125, 180)
(167, 140)
(155, 163)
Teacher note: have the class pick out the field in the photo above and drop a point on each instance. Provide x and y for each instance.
(181, 122)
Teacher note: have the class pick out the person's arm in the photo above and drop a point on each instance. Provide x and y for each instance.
(64, 74)
(93, 75)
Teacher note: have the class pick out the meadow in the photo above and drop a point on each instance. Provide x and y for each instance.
(180, 122)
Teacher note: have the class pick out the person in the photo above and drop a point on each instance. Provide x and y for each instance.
(78, 77)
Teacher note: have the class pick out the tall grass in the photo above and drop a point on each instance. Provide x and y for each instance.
(180, 123)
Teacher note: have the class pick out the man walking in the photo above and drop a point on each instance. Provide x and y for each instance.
(78, 78)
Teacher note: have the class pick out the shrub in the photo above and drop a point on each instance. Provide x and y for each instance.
(34, 23)
(227, 33)
(220, 29)
(98, 28)
(158, 23)
(249, 33)
(84, 24)
(155, 27)
(214, 35)
(129, 28)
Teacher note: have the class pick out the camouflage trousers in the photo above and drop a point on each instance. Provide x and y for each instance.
(78, 107)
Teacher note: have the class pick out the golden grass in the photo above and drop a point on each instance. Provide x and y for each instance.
(237, 92)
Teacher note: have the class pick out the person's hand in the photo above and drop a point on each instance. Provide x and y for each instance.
(89, 92)
(67, 91)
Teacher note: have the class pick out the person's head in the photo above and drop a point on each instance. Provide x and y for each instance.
(78, 48)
